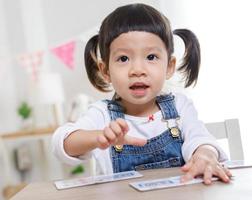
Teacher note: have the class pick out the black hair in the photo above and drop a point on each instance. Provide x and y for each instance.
(139, 17)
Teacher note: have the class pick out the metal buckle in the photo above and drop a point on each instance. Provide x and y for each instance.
(175, 132)
(118, 148)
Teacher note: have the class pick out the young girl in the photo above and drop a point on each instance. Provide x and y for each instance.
(141, 127)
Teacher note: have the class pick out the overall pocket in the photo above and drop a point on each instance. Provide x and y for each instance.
(171, 162)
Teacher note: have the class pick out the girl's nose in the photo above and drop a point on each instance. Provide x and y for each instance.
(137, 69)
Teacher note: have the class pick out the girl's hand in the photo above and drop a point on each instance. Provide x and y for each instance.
(115, 134)
(204, 162)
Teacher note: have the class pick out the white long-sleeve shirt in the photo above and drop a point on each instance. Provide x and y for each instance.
(194, 133)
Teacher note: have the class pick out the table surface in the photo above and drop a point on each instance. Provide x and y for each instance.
(239, 188)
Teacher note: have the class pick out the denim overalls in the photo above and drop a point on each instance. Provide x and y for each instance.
(162, 151)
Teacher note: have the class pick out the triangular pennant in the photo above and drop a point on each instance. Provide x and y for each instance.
(65, 53)
(31, 62)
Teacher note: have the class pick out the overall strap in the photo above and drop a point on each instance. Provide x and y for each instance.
(115, 110)
(167, 106)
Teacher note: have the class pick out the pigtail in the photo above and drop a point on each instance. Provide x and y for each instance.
(91, 64)
(191, 60)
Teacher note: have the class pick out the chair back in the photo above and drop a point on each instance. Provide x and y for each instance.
(230, 130)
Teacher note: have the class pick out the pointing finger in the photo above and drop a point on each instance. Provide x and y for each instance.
(135, 141)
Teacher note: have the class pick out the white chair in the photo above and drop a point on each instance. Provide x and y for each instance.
(230, 130)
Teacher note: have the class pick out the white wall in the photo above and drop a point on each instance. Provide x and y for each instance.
(224, 30)
(8, 95)
(39, 25)
(30, 25)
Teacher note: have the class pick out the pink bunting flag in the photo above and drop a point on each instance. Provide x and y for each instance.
(65, 53)
(31, 62)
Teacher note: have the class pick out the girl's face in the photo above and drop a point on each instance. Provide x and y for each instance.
(138, 67)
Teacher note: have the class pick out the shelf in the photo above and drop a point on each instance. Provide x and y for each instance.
(31, 132)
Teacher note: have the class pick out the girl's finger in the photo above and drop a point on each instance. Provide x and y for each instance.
(102, 142)
(227, 171)
(208, 173)
(110, 135)
(134, 141)
(221, 173)
(187, 166)
(192, 172)
(123, 124)
(116, 128)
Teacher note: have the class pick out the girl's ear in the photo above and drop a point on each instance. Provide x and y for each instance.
(171, 67)
(104, 71)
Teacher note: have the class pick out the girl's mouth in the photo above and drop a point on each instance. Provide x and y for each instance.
(139, 89)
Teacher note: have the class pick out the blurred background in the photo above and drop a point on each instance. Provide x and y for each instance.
(43, 82)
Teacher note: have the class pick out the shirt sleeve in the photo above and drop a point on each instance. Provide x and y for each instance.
(193, 130)
(93, 119)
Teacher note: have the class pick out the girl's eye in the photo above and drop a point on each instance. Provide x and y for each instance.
(151, 57)
(123, 59)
